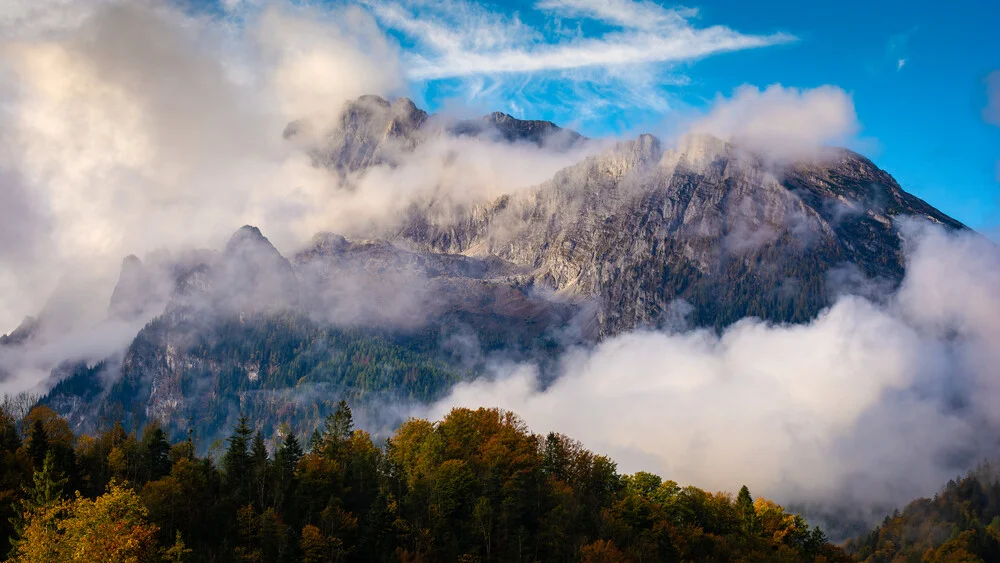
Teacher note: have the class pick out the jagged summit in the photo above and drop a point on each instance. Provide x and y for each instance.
(372, 131)
(247, 236)
(606, 245)
(636, 228)
(24, 331)
(501, 126)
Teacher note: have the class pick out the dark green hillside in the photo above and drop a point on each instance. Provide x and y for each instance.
(476, 486)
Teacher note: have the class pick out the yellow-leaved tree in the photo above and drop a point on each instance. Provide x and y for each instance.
(111, 528)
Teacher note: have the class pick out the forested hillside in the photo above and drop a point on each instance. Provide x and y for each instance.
(476, 486)
(961, 523)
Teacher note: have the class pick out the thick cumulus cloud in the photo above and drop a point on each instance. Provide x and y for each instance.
(868, 405)
(140, 126)
(131, 127)
(784, 123)
(136, 126)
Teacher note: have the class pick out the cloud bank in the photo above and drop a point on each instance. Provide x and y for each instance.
(868, 405)
(129, 127)
(784, 122)
(141, 126)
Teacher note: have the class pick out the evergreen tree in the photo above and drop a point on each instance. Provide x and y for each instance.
(46, 489)
(48, 484)
(156, 452)
(289, 453)
(9, 440)
(38, 443)
(259, 469)
(236, 462)
(285, 459)
(337, 429)
(744, 506)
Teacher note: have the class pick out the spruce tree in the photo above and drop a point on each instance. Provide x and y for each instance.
(236, 462)
(337, 430)
(156, 452)
(38, 444)
(744, 506)
(259, 469)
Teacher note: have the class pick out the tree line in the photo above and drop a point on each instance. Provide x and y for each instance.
(476, 486)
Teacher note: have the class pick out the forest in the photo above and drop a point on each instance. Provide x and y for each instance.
(476, 486)
(961, 523)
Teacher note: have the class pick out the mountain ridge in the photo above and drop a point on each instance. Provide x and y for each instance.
(612, 243)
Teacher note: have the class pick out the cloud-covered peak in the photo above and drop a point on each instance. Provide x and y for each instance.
(786, 123)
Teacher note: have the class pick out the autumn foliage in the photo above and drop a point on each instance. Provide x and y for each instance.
(474, 487)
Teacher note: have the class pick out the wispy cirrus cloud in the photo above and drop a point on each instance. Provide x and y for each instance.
(579, 47)
(626, 13)
(898, 47)
(457, 38)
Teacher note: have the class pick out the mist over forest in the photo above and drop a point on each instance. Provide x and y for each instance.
(243, 261)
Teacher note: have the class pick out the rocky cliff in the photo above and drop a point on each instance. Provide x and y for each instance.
(639, 235)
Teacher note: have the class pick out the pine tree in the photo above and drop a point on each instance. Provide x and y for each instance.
(259, 469)
(156, 452)
(744, 506)
(285, 459)
(48, 483)
(337, 429)
(236, 462)
(289, 453)
(38, 443)
(47, 488)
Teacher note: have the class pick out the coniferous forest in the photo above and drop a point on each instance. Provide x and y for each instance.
(475, 486)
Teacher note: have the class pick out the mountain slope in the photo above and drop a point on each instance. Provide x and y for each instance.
(638, 227)
(961, 523)
(637, 236)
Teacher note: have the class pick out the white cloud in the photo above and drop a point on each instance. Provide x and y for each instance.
(866, 405)
(626, 13)
(32, 18)
(629, 66)
(145, 127)
(780, 121)
(138, 126)
(897, 47)
(462, 39)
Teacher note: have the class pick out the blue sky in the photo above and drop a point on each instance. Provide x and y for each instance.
(915, 70)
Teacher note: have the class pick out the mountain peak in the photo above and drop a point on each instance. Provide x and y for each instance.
(24, 331)
(373, 99)
(247, 234)
(372, 131)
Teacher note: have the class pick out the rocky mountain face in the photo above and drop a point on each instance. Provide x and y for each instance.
(372, 131)
(247, 329)
(640, 235)
(638, 228)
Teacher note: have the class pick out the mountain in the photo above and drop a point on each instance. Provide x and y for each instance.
(636, 235)
(247, 330)
(372, 131)
(500, 126)
(638, 227)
